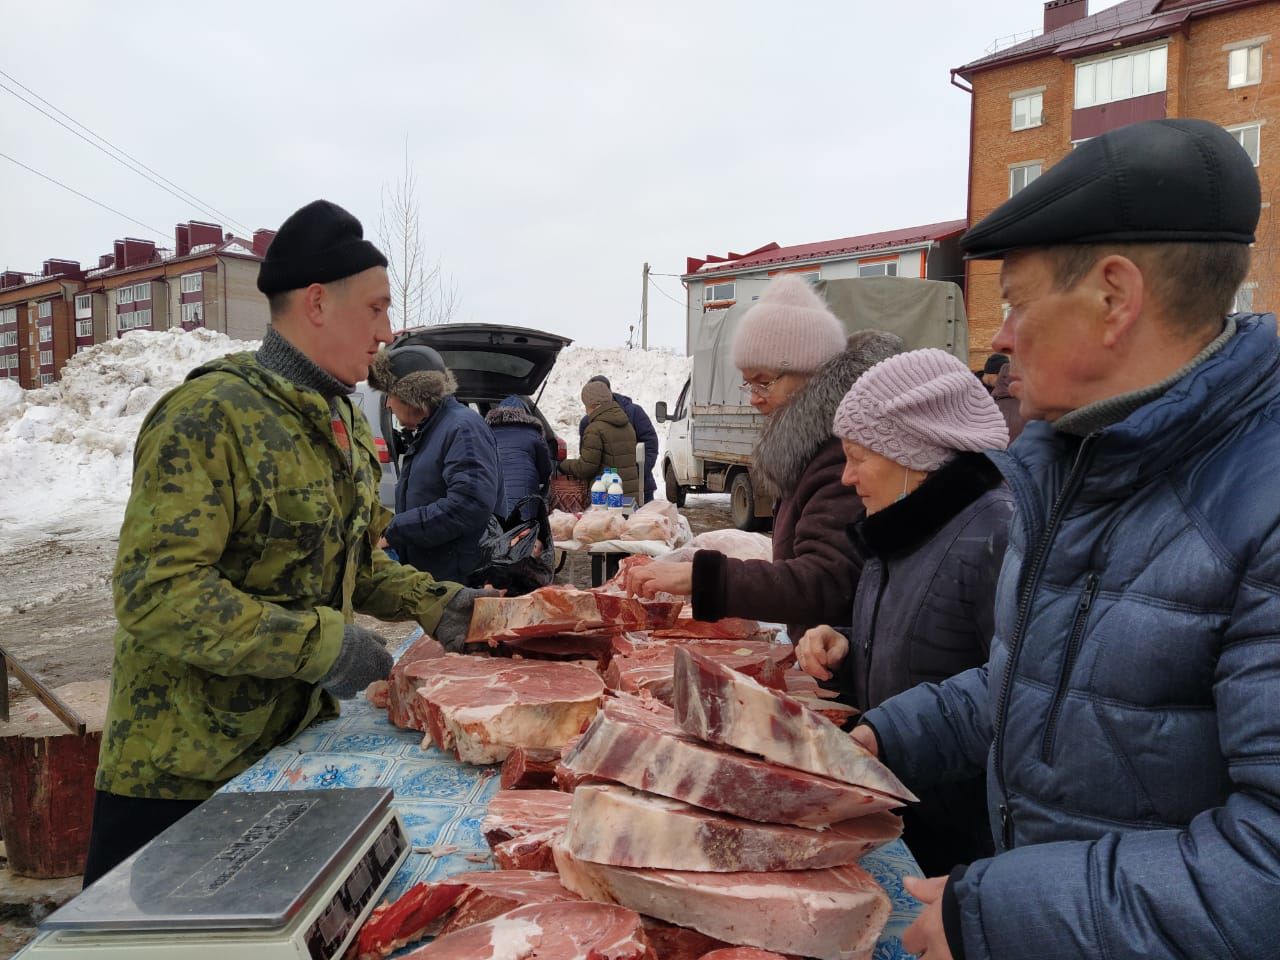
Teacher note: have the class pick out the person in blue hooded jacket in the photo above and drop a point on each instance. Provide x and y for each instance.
(450, 480)
(645, 433)
(1129, 715)
(522, 451)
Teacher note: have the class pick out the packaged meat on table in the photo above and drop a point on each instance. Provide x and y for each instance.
(562, 525)
(595, 526)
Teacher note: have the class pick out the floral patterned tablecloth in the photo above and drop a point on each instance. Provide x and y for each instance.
(443, 801)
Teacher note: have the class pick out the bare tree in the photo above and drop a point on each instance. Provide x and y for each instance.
(420, 293)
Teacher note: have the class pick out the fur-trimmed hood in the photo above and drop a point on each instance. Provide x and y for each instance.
(512, 417)
(424, 389)
(794, 434)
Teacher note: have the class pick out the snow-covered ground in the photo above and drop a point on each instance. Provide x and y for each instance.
(66, 450)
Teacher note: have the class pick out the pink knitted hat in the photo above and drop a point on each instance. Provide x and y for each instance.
(789, 329)
(919, 409)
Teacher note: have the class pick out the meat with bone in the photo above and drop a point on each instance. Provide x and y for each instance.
(407, 920)
(549, 931)
(530, 769)
(404, 709)
(491, 893)
(651, 670)
(742, 953)
(627, 828)
(715, 703)
(521, 825)
(555, 610)
(832, 914)
(637, 743)
(483, 707)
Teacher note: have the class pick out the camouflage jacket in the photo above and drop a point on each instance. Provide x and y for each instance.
(249, 540)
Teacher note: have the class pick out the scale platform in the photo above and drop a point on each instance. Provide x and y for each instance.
(272, 875)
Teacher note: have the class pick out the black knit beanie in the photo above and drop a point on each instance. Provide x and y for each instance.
(320, 243)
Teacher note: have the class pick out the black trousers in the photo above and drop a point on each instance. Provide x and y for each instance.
(124, 825)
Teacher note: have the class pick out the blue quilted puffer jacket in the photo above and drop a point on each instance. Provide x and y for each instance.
(1129, 716)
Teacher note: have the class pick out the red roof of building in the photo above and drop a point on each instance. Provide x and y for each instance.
(771, 253)
(1130, 22)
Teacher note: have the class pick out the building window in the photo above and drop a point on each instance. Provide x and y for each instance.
(46, 379)
(46, 333)
(1118, 78)
(1028, 111)
(192, 283)
(46, 309)
(191, 314)
(10, 361)
(84, 305)
(84, 328)
(715, 292)
(131, 321)
(8, 315)
(142, 291)
(1249, 136)
(9, 338)
(124, 295)
(1244, 66)
(1243, 301)
(885, 268)
(46, 358)
(1021, 176)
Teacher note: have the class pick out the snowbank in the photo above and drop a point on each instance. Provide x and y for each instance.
(66, 451)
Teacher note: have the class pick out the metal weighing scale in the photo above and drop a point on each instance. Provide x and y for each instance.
(265, 876)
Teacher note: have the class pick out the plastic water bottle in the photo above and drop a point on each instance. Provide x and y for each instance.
(599, 492)
(615, 493)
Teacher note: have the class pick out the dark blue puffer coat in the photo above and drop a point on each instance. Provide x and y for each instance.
(450, 484)
(645, 433)
(1129, 715)
(522, 451)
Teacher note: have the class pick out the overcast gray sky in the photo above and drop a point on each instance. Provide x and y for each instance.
(558, 145)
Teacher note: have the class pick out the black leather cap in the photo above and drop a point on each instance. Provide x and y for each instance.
(320, 243)
(1162, 181)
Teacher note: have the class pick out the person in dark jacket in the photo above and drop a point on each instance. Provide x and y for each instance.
(797, 366)
(1128, 714)
(610, 441)
(450, 482)
(913, 428)
(645, 433)
(522, 451)
(1007, 403)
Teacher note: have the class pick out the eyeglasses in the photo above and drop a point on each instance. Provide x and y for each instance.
(759, 389)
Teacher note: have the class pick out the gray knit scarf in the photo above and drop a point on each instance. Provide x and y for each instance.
(280, 356)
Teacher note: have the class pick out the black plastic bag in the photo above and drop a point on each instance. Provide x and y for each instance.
(517, 555)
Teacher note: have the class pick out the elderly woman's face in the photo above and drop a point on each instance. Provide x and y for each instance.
(878, 481)
(768, 390)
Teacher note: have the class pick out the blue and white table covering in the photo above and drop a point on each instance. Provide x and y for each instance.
(443, 801)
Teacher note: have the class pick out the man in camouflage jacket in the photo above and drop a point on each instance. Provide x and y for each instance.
(249, 542)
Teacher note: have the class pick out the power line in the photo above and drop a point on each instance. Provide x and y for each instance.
(85, 196)
(185, 195)
(664, 293)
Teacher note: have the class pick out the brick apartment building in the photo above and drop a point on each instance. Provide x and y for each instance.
(1031, 103)
(208, 279)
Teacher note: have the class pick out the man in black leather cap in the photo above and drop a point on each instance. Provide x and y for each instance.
(1129, 715)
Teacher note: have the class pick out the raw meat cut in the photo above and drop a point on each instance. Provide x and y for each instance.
(569, 646)
(562, 525)
(743, 953)
(378, 693)
(482, 708)
(547, 931)
(521, 826)
(723, 706)
(392, 925)
(530, 769)
(730, 628)
(650, 669)
(638, 743)
(491, 893)
(555, 610)
(832, 914)
(670, 942)
(598, 525)
(627, 828)
(403, 706)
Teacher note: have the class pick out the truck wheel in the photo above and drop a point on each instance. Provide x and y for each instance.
(675, 493)
(742, 503)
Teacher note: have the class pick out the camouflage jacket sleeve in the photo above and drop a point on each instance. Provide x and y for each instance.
(197, 538)
(394, 591)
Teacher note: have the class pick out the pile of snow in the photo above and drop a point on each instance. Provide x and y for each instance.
(66, 450)
(646, 376)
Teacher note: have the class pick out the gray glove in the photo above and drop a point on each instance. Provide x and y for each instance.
(362, 659)
(454, 623)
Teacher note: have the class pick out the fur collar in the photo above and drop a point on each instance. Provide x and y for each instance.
(424, 389)
(512, 417)
(901, 527)
(795, 434)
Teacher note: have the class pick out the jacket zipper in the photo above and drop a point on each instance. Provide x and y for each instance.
(1029, 582)
(1068, 662)
(868, 642)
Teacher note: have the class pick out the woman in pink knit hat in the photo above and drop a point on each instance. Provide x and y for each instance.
(913, 429)
(796, 365)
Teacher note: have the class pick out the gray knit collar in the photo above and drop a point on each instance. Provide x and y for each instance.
(1104, 413)
(280, 356)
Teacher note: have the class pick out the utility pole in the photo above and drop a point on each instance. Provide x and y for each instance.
(644, 311)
